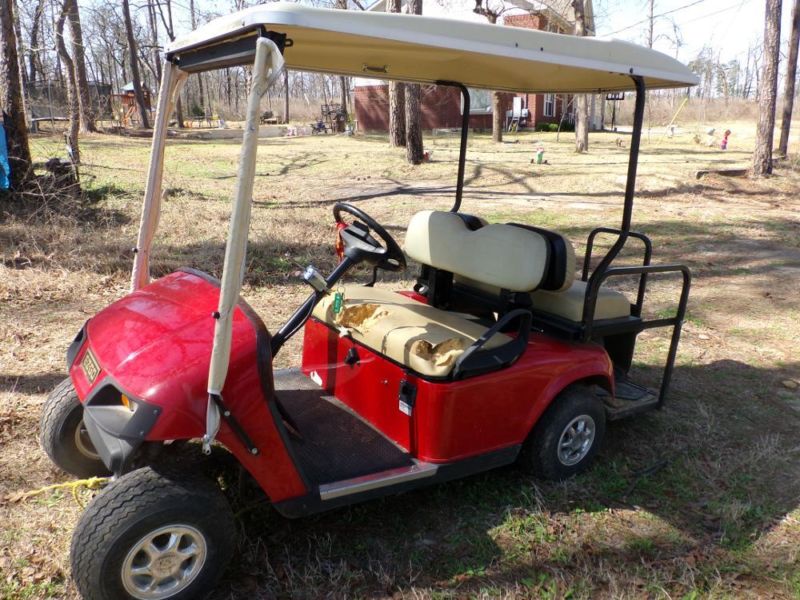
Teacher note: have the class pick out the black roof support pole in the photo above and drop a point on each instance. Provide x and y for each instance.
(633, 159)
(630, 184)
(462, 155)
(592, 288)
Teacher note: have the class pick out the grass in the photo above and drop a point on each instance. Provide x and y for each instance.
(696, 501)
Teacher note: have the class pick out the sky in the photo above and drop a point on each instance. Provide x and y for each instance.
(727, 26)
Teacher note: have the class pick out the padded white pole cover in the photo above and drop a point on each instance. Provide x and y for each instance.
(172, 81)
(267, 68)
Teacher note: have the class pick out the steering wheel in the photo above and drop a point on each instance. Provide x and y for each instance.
(361, 246)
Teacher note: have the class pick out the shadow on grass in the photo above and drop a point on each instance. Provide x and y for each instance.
(728, 450)
(31, 384)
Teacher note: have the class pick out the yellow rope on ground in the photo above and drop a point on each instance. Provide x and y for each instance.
(93, 483)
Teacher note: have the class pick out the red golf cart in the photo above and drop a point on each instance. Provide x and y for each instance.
(498, 354)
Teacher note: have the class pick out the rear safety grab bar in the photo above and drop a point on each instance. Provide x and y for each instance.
(476, 361)
(676, 321)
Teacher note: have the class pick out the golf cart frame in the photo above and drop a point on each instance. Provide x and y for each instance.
(185, 358)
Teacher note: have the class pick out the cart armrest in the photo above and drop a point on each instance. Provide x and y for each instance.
(475, 360)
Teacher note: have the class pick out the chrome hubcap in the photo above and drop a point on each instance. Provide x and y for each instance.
(84, 443)
(164, 562)
(576, 440)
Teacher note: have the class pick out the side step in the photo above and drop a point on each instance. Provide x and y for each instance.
(630, 399)
(346, 487)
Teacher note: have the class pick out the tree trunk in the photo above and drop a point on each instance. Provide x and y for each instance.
(581, 100)
(134, 55)
(73, 103)
(151, 15)
(413, 107)
(170, 27)
(498, 114)
(79, 59)
(768, 91)
(397, 99)
(498, 117)
(19, 154)
(342, 4)
(33, 61)
(791, 76)
(397, 113)
(413, 124)
(286, 95)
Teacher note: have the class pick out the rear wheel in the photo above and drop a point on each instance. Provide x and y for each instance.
(153, 535)
(567, 437)
(63, 434)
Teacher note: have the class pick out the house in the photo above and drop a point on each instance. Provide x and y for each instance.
(441, 106)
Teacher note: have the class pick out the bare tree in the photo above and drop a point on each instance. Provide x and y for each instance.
(165, 12)
(285, 95)
(72, 85)
(19, 154)
(791, 76)
(79, 62)
(33, 59)
(498, 114)
(768, 91)
(134, 56)
(582, 100)
(342, 4)
(193, 15)
(397, 100)
(414, 152)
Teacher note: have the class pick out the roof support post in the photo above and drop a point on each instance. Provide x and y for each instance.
(267, 68)
(630, 188)
(462, 154)
(172, 82)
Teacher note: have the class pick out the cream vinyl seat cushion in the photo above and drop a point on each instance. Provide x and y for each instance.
(419, 336)
(569, 304)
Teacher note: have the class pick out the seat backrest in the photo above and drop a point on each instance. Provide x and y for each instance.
(561, 267)
(502, 256)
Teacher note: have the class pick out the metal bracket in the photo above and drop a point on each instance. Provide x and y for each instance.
(234, 424)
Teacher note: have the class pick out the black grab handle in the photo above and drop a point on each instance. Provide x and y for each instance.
(476, 361)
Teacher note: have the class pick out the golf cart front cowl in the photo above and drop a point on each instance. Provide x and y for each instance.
(154, 345)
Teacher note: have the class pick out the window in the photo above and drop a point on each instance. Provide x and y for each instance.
(549, 105)
(480, 102)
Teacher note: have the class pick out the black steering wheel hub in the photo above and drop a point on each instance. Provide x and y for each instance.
(361, 246)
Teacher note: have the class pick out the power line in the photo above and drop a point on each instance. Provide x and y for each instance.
(669, 12)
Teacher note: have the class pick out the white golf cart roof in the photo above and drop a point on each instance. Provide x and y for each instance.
(429, 49)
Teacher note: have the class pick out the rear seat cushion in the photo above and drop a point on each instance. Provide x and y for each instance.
(419, 336)
(569, 304)
(503, 256)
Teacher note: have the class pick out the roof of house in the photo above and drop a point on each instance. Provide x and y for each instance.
(463, 10)
(429, 50)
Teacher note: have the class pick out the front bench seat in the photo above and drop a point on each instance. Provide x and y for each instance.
(422, 337)
(416, 335)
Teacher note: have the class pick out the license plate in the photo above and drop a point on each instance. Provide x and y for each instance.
(90, 366)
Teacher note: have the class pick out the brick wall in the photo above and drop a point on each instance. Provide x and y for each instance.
(441, 108)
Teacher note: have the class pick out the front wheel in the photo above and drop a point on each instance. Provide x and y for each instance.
(567, 437)
(63, 435)
(153, 535)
